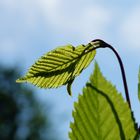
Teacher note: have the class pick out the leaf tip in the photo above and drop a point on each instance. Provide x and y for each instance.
(69, 90)
(21, 80)
(69, 86)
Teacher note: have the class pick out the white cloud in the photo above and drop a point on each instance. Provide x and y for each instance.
(130, 28)
(16, 11)
(16, 18)
(84, 20)
(8, 3)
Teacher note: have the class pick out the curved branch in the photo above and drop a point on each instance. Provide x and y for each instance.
(105, 45)
(123, 74)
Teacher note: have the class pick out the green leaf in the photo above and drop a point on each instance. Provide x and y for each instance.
(139, 85)
(60, 66)
(101, 113)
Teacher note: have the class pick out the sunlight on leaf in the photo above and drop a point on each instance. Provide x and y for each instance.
(59, 67)
(101, 113)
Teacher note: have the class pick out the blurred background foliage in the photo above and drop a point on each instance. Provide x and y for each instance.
(22, 116)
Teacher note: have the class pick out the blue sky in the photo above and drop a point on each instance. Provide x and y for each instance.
(28, 29)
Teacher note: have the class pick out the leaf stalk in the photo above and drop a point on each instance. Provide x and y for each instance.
(103, 44)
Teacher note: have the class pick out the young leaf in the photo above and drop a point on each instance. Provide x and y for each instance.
(139, 85)
(101, 113)
(59, 67)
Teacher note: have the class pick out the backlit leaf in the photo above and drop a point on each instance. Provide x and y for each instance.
(101, 113)
(59, 67)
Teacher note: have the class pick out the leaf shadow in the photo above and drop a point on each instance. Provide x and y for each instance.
(70, 70)
(122, 134)
(48, 74)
